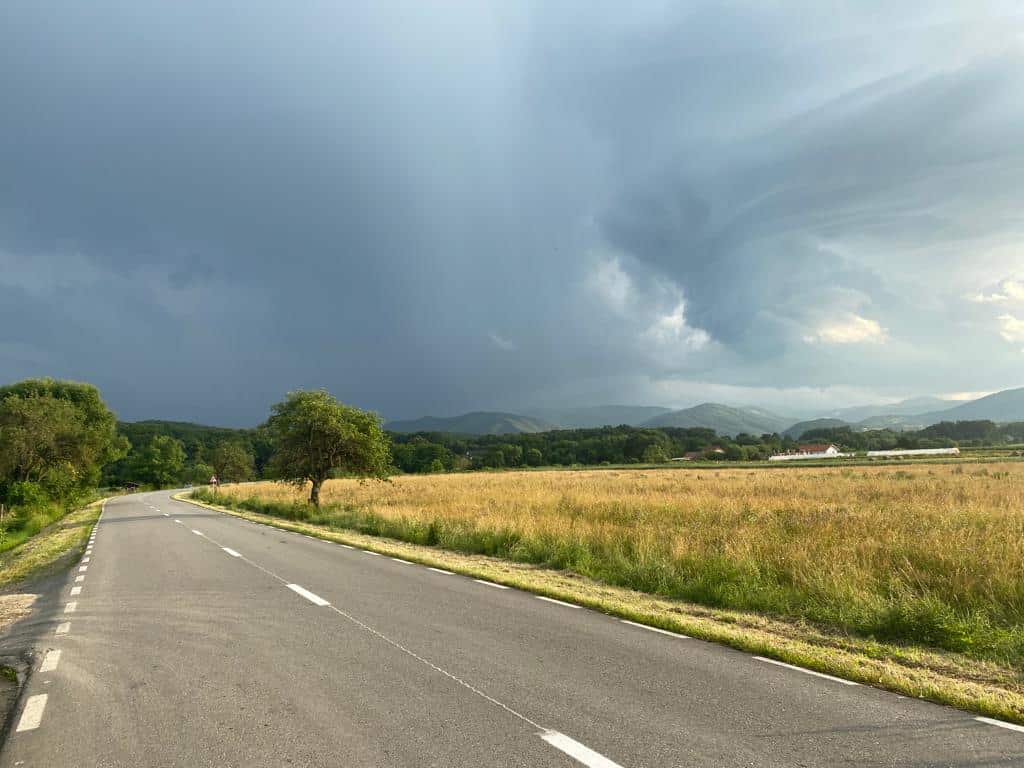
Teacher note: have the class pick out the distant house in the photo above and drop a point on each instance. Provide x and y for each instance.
(827, 449)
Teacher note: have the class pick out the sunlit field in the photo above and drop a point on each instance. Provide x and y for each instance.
(931, 554)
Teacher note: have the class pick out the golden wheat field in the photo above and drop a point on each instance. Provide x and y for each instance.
(928, 553)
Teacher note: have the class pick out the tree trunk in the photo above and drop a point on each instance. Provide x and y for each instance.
(314, 493)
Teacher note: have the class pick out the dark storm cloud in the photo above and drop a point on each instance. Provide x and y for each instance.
(436, 207)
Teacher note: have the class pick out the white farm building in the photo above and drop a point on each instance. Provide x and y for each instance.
(915, 452)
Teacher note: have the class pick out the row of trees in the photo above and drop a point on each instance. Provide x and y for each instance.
(436, 451)
(439, 452)
(59, 441)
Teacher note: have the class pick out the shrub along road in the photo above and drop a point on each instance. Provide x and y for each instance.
(194, 638)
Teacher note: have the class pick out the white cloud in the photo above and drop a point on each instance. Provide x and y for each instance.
(850, 329)
(1014, 289)
(988, 298)
(612, 284)
(1011, 328)
(501, 342)
(1007, 290)
(966, 396)
(672, 329)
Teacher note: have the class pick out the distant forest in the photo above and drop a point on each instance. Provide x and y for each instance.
(173, 453)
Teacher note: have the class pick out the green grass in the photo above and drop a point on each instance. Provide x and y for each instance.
(49, 547)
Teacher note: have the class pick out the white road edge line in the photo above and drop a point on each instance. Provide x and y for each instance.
(400, 560)
(577, 751)
(440, 570)
(231, 552)
(197, 533)
(315, 599)
(370, 552)
(178, 521)
(70, 607)
(806, 671)
(556, 602)
(76, 591)
(50, 661)
(32, 715)
(83, 569)
(655, 629)
(1001, 724)
(79, 579)
(63, 628)
(346, 546)
(491, 584)
(85, 560)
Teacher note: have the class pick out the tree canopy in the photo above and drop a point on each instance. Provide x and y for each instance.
(55, 434)
(315, 436)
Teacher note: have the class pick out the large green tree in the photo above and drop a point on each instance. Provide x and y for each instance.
(232, 461)
(161, 462)
(55, 434)
(314, 435)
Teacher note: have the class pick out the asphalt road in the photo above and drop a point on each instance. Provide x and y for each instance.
(199, 639)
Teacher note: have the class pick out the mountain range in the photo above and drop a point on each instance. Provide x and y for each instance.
(915, 413)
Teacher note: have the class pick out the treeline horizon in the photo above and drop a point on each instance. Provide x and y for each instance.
(238, 454)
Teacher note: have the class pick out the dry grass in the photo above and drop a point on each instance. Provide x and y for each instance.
(927, 554)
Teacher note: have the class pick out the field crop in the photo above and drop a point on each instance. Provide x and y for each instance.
(927, 554)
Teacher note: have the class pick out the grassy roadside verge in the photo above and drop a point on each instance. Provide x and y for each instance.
(47, 550)
(991, 688)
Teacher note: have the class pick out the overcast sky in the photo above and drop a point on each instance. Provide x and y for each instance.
(429, 208)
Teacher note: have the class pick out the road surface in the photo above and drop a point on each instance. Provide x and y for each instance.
(191, 638)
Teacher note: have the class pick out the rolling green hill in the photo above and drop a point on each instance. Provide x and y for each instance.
(1001, 407)
(476, 423)
(724, 419)
(599, 415)
(805, 426)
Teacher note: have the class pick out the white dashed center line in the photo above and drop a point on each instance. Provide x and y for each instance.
(50, 661)
(231, 552)
(806, 671)
(556, 602)
(32, 715)
(490, 584)
(178, 521)
(63, 628)
(197, 533)
(315, 599)
(577, 751)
